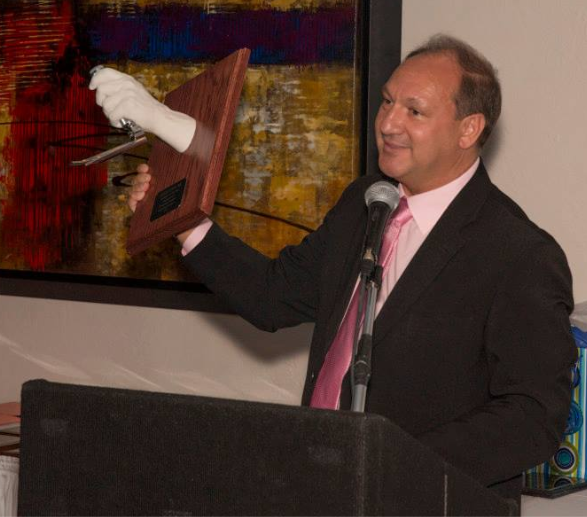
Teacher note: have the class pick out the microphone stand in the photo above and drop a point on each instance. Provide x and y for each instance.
(361, 365)
(382, 199)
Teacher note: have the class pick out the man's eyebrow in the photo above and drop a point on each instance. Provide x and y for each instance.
(410, 100)
(415, 100)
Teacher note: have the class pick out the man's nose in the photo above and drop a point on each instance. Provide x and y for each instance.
(392, 122)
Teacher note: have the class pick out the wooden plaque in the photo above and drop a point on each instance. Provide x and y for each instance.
(183, 186)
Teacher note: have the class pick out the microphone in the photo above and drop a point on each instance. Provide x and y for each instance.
(382, 199)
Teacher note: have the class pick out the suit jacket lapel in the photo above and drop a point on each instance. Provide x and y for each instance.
(443, 242)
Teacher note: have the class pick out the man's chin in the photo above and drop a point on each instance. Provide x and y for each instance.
(391, 170)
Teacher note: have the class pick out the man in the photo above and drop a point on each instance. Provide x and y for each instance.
(472, 349)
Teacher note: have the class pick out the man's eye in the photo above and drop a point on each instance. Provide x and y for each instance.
(387, 101)
(415, 112)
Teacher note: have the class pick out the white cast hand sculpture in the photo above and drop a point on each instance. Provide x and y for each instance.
(122, 96)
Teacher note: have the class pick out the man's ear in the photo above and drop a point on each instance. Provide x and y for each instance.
(471, 128)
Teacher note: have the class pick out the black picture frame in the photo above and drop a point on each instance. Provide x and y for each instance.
(380, 43)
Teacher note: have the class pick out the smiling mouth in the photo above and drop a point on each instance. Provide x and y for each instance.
(390, 146)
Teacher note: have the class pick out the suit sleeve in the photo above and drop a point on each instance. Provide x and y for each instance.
(269, 293)
(530, 352)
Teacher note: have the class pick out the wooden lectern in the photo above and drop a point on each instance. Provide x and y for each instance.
(184, 185)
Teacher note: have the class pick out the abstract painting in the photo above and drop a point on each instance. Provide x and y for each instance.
(295, 144)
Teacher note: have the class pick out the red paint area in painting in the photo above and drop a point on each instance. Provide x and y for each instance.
(52, 121)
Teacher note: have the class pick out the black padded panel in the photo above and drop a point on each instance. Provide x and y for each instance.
(103, 451)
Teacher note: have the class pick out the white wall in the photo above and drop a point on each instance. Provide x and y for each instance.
(152, 349)
(540, 49)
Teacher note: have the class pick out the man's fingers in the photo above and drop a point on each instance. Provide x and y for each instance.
(140, 188)
(134, 198)
(137, 196)
(140, 185)
(142, 177)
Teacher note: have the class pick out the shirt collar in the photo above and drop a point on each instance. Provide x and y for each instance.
(427, 208)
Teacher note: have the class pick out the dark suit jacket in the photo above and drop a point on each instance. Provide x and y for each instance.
(472, 350)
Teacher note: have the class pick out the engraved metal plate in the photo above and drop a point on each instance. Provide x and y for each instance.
(168, 200)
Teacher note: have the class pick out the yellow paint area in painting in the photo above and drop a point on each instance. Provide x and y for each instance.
(294, 128)
(293, 151)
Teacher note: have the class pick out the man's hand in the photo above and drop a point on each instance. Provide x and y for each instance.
(122, 96)
(140, 185)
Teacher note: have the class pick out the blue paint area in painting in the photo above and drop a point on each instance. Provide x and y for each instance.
(179, 32)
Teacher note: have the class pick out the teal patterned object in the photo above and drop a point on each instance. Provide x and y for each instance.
(570, 461)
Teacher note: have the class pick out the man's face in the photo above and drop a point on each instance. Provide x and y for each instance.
(417, 133)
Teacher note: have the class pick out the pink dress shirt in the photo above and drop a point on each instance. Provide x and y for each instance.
(426, 208)
(197, 236)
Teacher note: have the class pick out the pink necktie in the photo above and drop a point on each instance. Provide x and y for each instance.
(336, 363)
